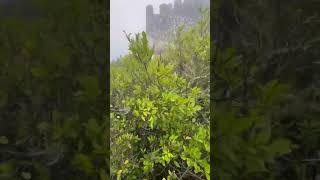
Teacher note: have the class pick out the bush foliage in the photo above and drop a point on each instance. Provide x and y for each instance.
(159, 110)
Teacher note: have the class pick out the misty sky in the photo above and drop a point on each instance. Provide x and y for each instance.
(129, 16)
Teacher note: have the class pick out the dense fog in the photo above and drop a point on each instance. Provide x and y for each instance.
(129, 16)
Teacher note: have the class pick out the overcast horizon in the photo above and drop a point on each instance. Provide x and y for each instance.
(128, 16)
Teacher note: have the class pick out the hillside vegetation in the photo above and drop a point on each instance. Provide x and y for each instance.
(160, 108)
(252, 89)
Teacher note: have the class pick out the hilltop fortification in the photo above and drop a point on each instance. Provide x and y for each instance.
(159, 26)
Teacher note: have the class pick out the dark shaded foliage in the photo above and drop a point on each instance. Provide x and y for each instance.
(278, 40)
(53, 90)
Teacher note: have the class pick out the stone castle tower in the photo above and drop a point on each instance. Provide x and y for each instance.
(159, 26)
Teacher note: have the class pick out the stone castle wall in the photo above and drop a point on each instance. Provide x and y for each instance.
(159, 26)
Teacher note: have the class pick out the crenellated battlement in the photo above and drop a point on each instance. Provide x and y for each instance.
(170, 16)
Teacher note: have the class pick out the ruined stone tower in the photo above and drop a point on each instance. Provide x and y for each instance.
(159, 26)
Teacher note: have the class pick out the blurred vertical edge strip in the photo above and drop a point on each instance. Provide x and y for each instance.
(51, 93)
(108, 82)
(212, 12)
